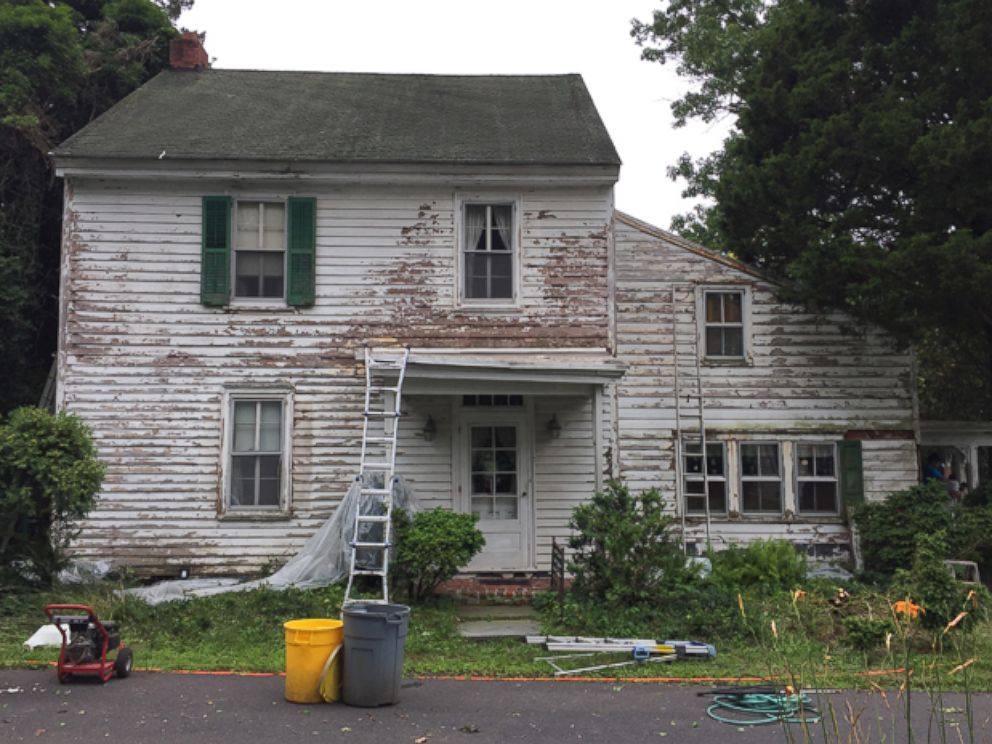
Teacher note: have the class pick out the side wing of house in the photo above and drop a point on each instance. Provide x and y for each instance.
(801, 412)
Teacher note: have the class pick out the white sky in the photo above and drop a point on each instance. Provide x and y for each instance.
(590, 37)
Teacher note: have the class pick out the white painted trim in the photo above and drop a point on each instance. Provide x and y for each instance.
(597, 434)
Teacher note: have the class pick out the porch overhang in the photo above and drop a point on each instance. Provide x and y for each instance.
(511, 369)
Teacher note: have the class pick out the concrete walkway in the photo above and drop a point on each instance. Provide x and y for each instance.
(163, 708)
(497, 621)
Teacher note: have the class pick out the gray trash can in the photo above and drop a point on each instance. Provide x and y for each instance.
(374, 637)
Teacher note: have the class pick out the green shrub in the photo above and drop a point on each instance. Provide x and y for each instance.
(888, 528)
(625, 552)
(430, 548)
(866, 633)
(930, 584)
(49, 479)
(763, 566)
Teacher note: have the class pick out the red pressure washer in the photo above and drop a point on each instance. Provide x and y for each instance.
(86, 643)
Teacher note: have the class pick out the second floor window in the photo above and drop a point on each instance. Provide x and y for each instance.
(488, 252)
(260, 250)
(724, 324)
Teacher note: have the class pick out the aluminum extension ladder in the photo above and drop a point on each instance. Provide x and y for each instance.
(371, 537)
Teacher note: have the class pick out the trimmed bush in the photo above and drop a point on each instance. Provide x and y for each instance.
(430, 548)
(625, 548)
(763, 566)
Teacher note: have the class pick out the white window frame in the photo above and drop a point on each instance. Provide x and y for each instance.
(745, 324)
(489, 200)
(742, 479)
(237, 299)
(230, 397)
(688, 477)
(798, 479)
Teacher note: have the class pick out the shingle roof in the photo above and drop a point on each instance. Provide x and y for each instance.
(352, 117)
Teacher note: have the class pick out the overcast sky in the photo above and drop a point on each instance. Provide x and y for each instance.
(590, 37)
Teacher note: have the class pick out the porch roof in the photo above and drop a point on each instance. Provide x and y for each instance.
(515, 365)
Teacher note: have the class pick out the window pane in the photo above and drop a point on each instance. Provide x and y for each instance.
(718, 496)
(749, 459)
(482, 484)
(506, 461)
(714, 459)
(825, 460)
(713, 314)
(768, 459)
(502, 275)
(694, 504)
(247, 225)
(695, 488)
(270, 428)
(804, 460)
(506, 483)
(482, 461)
(733, 342)
(732, 307)
(272, 274)
(818, 497)
(274, 229)
(247, 271)
(244, 426)
(482, 508)
(482, 436)
(243, 481)
(268, 483)
(475, 227)
(506, 507)
(506, 436)
(714, 342)
(694, 464)
(761, 496)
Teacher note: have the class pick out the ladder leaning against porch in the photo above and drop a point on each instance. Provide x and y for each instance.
(371, 538)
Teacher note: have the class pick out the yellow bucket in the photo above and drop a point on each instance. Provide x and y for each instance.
(313, 660)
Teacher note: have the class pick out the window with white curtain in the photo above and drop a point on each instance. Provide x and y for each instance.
(487, 252)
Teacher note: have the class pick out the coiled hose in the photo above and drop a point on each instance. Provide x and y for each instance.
(756, 709)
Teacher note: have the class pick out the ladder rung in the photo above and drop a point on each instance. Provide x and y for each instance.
(385, 414)
(380, 440)
(369, 545)
(376, 491)
(366, 572)
(373, 518)
(376, 466)
(383, 389)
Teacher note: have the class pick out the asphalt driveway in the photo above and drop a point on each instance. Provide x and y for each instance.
(164, 708)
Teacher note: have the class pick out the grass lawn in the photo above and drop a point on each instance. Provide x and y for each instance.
(243, 632)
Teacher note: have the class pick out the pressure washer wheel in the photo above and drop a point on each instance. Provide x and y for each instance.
(123, 663)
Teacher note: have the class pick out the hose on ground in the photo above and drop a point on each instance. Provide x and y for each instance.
(756, 709)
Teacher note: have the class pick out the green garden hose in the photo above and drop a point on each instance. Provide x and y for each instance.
(756, 709)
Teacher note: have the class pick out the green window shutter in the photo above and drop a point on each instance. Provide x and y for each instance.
(301, 260)
(215, 256)
(852, 480)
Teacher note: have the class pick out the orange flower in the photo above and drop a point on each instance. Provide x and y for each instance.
(974, 599)
(797, 595)
(907, 608)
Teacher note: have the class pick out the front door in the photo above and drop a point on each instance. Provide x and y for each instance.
(495, 487)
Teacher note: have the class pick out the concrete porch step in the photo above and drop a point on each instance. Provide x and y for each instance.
(497, 621)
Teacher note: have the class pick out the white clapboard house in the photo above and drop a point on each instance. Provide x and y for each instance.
(234, 240)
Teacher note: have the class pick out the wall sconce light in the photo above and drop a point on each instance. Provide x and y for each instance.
(430, 429)
(554, 428)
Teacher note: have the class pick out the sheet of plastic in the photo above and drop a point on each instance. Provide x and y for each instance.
(324, 559)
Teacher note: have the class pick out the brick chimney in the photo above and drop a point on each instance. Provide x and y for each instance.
(187, 53)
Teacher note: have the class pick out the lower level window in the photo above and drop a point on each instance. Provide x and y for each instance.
(761, 478)
(696, 487)
(257, 454)
(816, 478)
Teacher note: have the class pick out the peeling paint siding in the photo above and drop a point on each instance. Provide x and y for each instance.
(564, 468)
(807, 376)
(146, 365)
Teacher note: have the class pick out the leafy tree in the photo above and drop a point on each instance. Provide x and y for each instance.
(855, 171)
(61, 65)
(49, 478)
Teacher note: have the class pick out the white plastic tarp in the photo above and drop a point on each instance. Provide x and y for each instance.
(324, 559)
